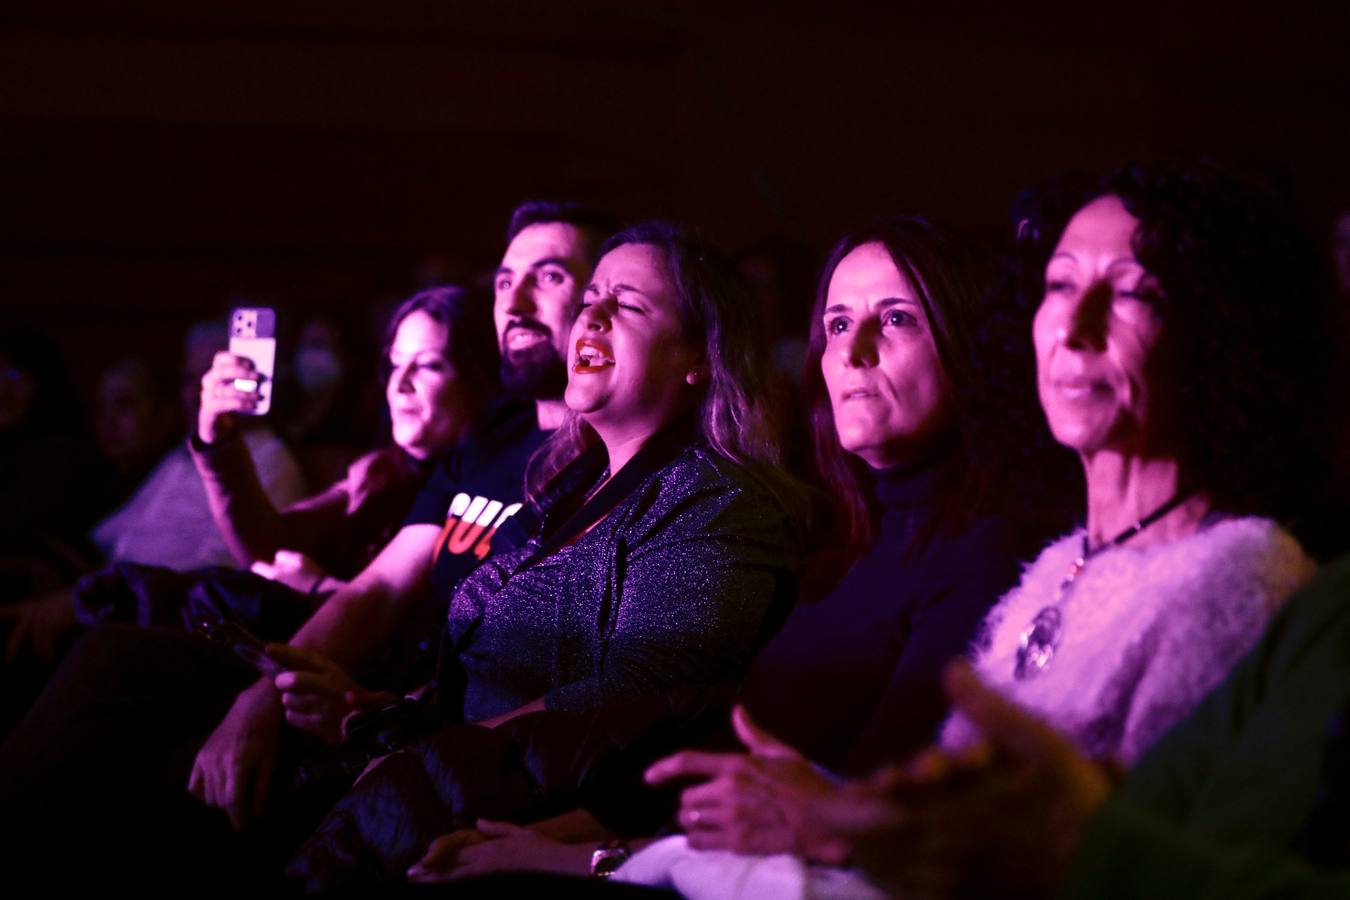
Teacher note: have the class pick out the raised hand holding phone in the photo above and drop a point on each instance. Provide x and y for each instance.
(239, 381)
(253, 337)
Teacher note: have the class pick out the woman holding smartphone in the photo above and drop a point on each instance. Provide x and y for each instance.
(441, 363)
(442, 370)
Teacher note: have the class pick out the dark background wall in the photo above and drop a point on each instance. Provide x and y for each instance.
(157, 159)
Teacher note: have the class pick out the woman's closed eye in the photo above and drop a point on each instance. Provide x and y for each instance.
(419, 364)
(629, 298)
(590, 299)
(1144, 292)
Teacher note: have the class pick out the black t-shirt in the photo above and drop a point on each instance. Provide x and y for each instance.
(474, 491)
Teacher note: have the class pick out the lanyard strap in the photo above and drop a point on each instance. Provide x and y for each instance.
(658, 452)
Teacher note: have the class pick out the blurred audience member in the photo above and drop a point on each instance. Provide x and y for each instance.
(1340, 252)
(48, 473)
(314, 410)
(779, 273)
(167, 521)
(134, 421)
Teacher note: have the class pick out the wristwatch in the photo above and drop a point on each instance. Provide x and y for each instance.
(607, 858)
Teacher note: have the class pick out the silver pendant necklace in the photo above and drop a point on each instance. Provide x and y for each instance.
(1040, 639)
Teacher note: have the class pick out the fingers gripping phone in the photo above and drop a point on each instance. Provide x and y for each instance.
(253, 335)
(239, 640)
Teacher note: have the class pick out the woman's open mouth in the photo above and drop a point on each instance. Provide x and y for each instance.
(592, 356)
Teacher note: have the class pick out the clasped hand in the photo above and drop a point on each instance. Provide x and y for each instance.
(770, 800)
(1021, 794)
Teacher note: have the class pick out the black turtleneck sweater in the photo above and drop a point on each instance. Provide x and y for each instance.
(853, 680)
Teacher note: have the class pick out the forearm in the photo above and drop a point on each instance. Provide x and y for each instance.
(361, 618)
(580, 827)
(250, 524)
(577, 826)
(352, 625)
(581, 835)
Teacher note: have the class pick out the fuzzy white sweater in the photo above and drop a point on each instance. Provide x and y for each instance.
(1147, 631)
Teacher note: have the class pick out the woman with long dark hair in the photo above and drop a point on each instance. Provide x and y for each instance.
(907, 427)
(664, 539)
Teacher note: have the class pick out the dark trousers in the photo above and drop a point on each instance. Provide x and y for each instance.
(93, 781)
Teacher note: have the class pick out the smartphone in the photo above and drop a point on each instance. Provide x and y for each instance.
(253, 335)
(242, 642)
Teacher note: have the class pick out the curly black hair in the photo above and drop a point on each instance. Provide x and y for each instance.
(1045, 478)
(1239, 291)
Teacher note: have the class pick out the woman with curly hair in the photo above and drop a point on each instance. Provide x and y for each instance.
(1171, 347)
(1172, 344)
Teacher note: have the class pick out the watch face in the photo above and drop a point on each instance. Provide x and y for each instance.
(606, 861)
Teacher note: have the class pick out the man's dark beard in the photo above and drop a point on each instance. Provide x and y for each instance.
(537, 372)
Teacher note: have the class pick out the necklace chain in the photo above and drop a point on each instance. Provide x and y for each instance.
(1039, 640)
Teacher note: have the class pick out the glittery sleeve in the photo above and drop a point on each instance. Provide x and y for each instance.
(704, 561)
